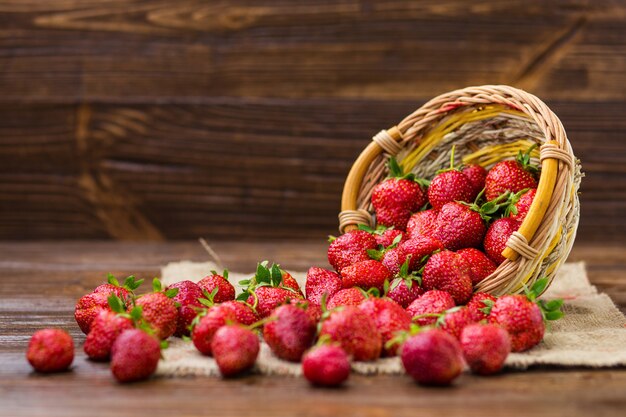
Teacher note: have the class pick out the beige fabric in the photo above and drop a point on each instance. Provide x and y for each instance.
(592, 333)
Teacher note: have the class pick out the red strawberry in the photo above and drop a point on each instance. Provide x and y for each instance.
(355, 331)
(349, 248)
(391, 260)
(389, 318)
(88, 307)
(404, 291)
(244, 313)
(159, 310)
(112, 289)
(521, 204)
(269, 288)
(447, 271)
(454, 320)
(422, 223)
(417, 248)
(397, 197)
(480, 264)
(478, 303)
(496, 237)
(50, 350)
(485, 347)
(510, 176)
(134, 355)
(429, 304)
(521, 318)
(314, 311)
(365, 274)
(326, 365)
(289, 333)
(235, 349)
(389, 237)
(187, 297)
(105, 329)
(205, 326)
(346, 297)
(450, 185)
(432, 357)
(225, 290)
(321, 281)
(459, 226)
(476, 176)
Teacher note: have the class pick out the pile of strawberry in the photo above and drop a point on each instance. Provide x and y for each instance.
(405, 288)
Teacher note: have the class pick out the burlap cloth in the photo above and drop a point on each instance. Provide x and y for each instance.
(592, 333)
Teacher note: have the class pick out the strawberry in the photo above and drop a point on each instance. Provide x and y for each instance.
(50, 350)
(235, 349)
(326, 365)
(389, 318)
(349, 248)
(478, 303)
(523, 317)
(289, 333)
(447, 271)
(244, 313)
(365, 274)
(480, 264)
(355, 331)
(511, 176)
(206, 324)
(269, 288)
(432, 357)
(134, 356)
(397, 197)
(454, 320)
(450, 185)
(347, 297)
(88, 307)
(458, 226)
(404, 291)
(391, 260)
(422, 223)
(520, 204)
(321, 281)
(418, 248)
(187, 298)
(314, 311)
(105, 329)
(485, 347)
(496, 237)
(225, 290)
(476, 176)
(425, 308)
(389, 237)
(159, 310)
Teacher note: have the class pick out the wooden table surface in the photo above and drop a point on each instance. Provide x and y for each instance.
(40, 283)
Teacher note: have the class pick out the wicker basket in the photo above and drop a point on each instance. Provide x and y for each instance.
(486, 124)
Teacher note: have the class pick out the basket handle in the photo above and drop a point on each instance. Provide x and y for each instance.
(350, 216)
(518, 243)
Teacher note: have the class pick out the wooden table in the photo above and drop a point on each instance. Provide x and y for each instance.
(40, 283)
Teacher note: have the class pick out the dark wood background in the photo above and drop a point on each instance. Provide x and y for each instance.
(157, 120)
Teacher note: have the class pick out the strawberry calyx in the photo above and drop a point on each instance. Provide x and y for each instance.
(452, 166)
(135, 315)
(266, 276)
(511, 208)
(489, 209)
(523, 158)
(550, 309)
(157, 286)
(409, 277)
(130, 283)
(396, 172)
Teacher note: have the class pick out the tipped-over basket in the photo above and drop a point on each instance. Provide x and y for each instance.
(486, 125)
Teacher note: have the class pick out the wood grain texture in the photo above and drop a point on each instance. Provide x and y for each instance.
(41, 282)
(152, 120)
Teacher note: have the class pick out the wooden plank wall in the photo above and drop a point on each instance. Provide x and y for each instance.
(239, 119)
